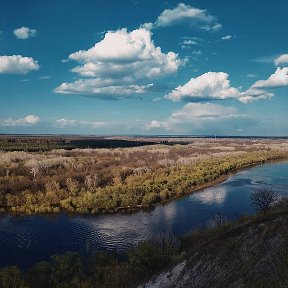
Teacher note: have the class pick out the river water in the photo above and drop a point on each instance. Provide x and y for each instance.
(25, 240)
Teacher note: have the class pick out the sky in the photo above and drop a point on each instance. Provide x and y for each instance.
(138, 67)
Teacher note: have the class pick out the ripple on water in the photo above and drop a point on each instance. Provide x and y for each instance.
(27, 239)
(17, 229)
(105, 233)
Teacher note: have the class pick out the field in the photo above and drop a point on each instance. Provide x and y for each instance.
(96, 180)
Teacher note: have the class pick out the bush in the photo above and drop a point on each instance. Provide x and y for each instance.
(146, 258)
(11, 277)
(263, 198)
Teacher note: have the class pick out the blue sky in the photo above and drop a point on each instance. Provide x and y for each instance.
(144, 67)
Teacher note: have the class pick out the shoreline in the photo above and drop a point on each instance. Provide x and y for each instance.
(134, 209)
(222, 178)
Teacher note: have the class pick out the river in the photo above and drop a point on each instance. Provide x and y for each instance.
(27, 239)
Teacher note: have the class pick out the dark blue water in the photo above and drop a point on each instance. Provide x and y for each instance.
(25, 240)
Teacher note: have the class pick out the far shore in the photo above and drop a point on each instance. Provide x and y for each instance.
(93, 181)
(219, 180)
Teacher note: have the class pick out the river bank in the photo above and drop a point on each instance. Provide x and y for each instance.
(158, 186)
(249, 252)
(26, 239)
(96, 181)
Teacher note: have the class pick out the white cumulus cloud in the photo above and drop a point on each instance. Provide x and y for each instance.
(196, 115)
(215, 86)
(17, 64)
(211, 85)
(277, 79)
(123, 63)
(186, 13)
(24, 33)
(26, 121)
(153, 124)
(283, 59)
(31, 119)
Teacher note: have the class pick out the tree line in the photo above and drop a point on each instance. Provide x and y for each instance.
(97, 180)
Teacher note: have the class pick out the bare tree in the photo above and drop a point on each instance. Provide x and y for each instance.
(263, 198)
(217, 220)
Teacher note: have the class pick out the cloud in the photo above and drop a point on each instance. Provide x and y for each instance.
(31, 119)
(264, 59)
(190, 42)
(215, 86)
(254, 94)
(188, 14)
(24, 33)
(194, 38)
(123, 63)
(196, 53)
(45, 77)
(66, 122)
(214, 28)
(251, 75)
(62, 123)
(196, 115)
(17, 64)
(211, 85)
(95, 87)
(157, 99)
(26, 121)
(122, 52)
(154, 124)
(227, 37)
(277, 79)
(283, 59)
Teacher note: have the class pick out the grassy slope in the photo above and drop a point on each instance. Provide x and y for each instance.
(252, 252)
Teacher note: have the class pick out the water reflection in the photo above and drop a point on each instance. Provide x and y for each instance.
(121, 231)
(25, 240)
(211, 196)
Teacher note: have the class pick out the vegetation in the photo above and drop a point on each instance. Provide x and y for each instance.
(263, 198)
(249, 252)
(38, 179)
(99, 269)
(99, 180)
(48, 143)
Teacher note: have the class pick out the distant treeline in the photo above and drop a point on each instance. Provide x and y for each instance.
(48, 143)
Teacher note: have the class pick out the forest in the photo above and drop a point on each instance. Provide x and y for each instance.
(37, 143)
(119, 179)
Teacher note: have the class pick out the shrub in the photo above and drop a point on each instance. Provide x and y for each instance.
(263, 198)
